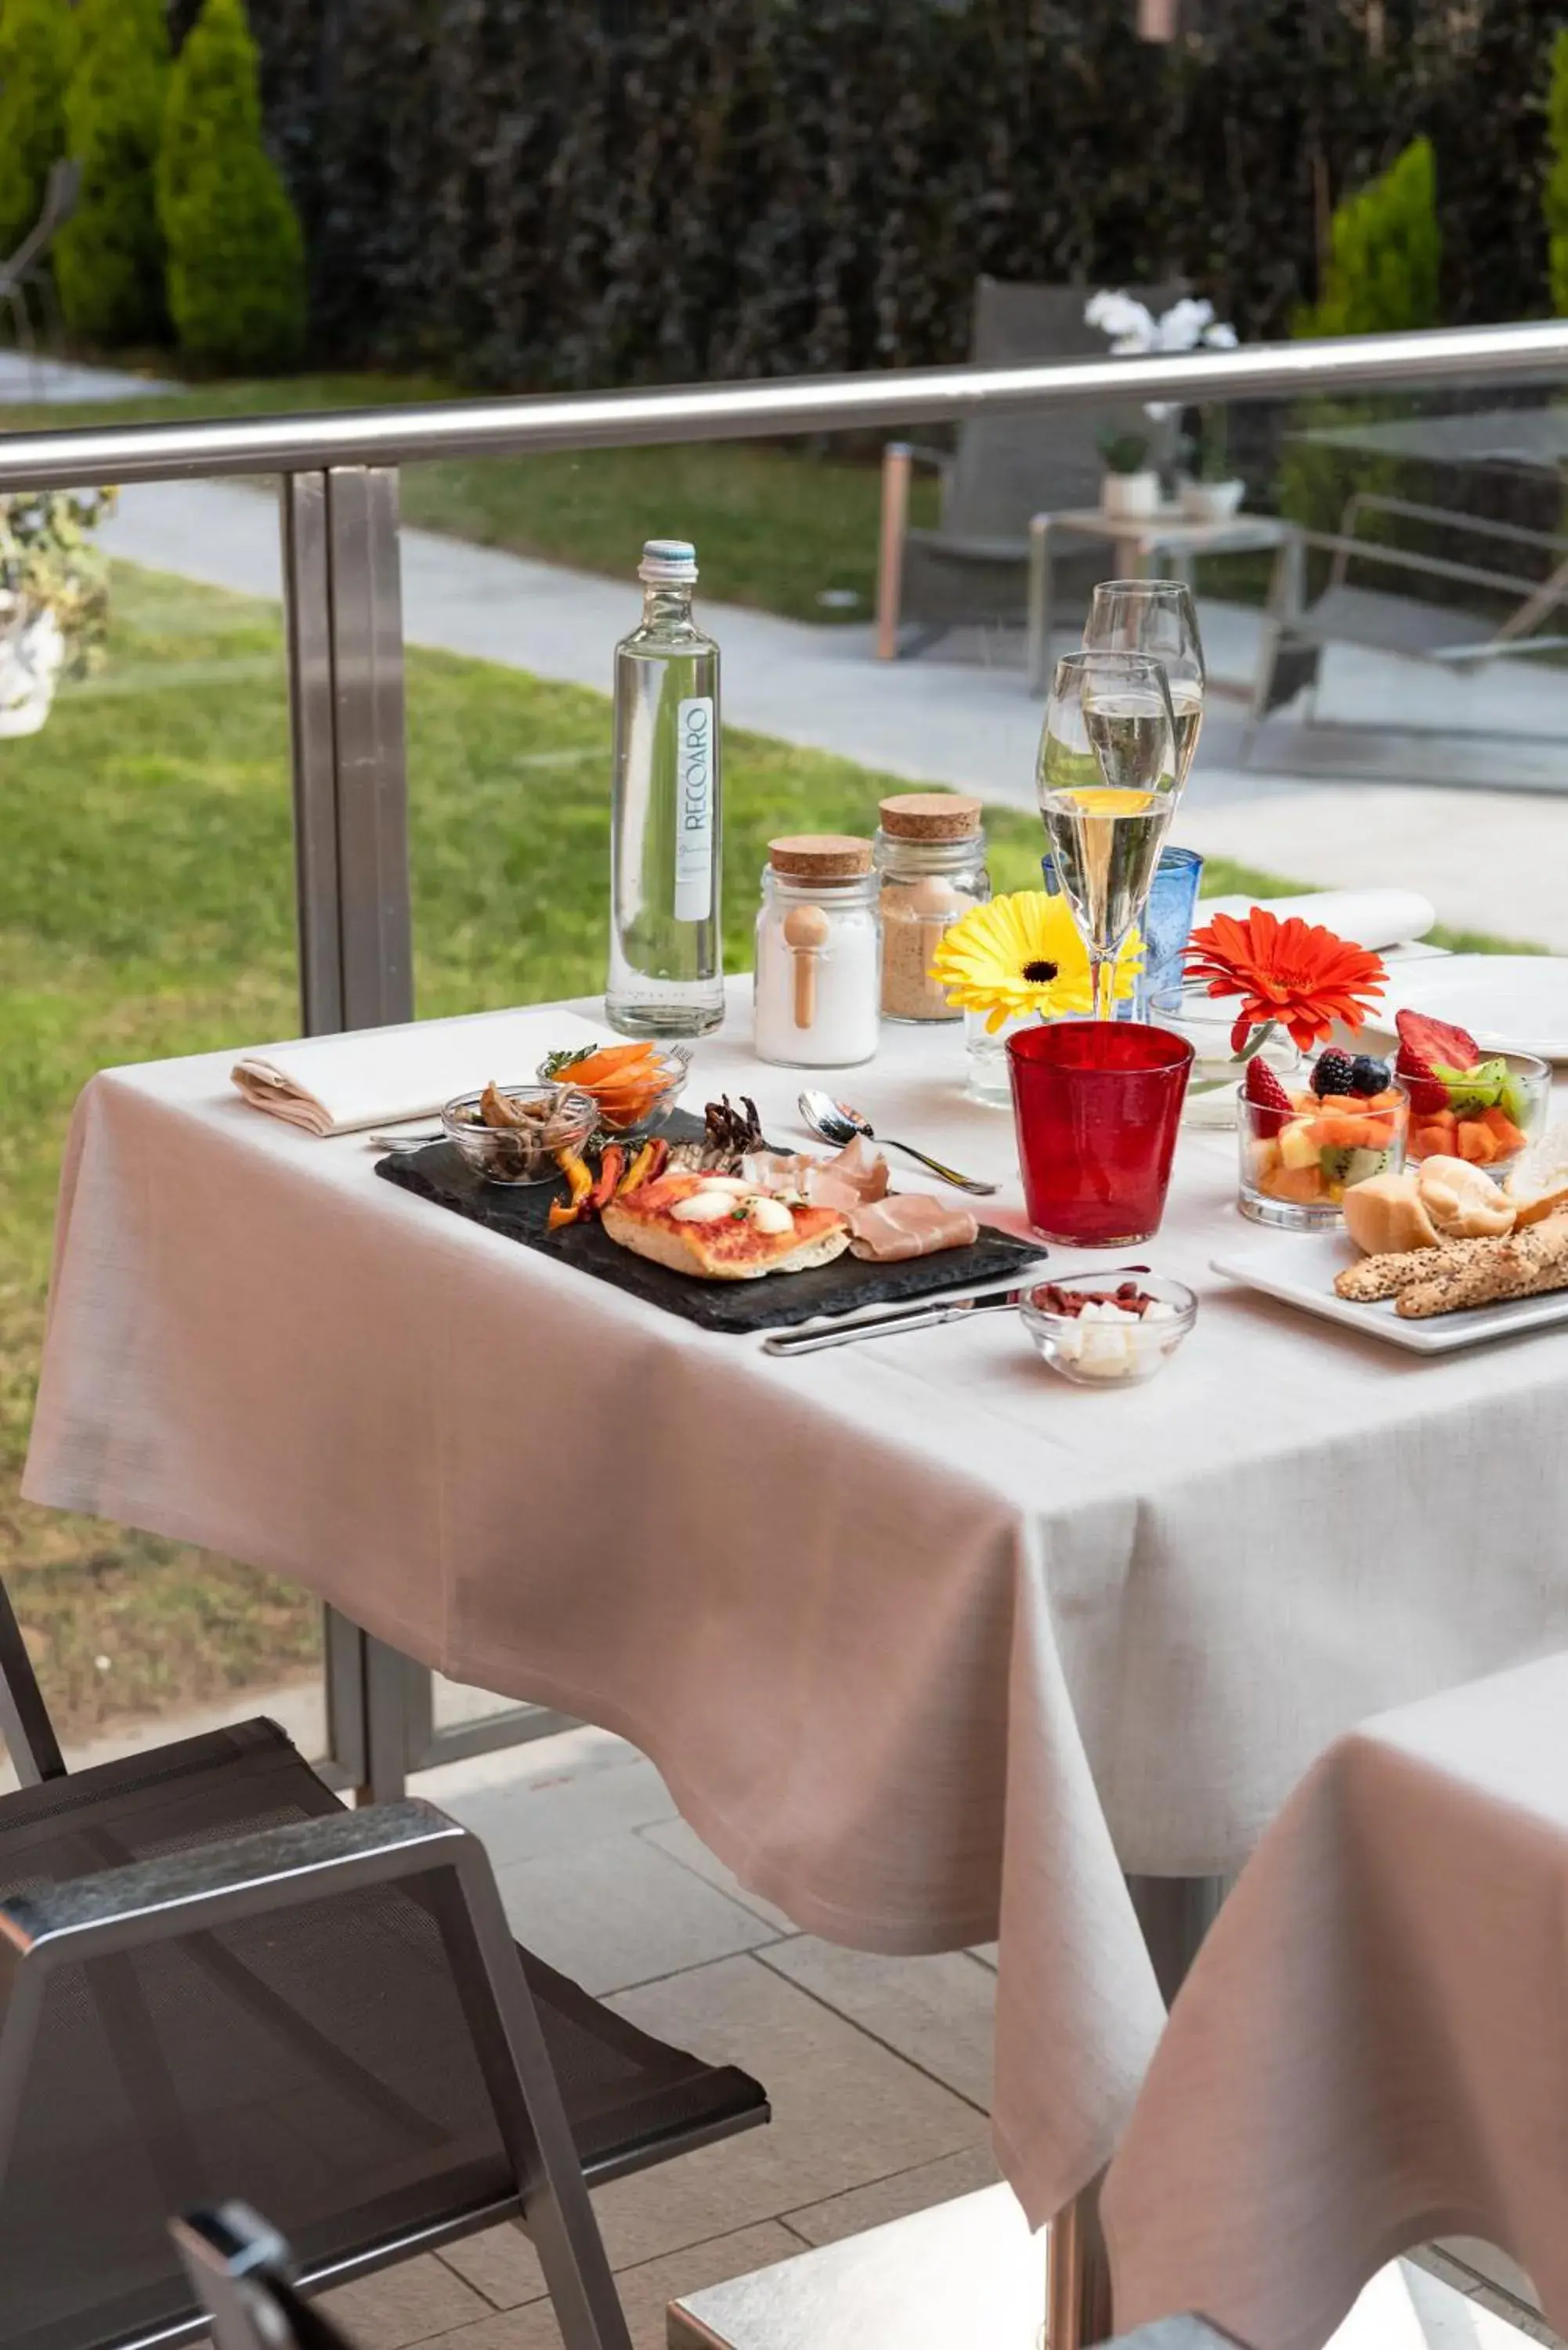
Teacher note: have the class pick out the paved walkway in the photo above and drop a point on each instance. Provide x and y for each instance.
(38, 381)
(1491, 857)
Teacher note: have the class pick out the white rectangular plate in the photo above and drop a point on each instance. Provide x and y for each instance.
(1298, 1268)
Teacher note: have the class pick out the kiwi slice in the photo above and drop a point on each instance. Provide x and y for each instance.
(1478, 1088)
(1514, 1100)
(1352, 1163)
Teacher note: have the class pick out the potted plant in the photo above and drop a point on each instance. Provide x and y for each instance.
(1131, 484)
(1209, 490)
(1189, 325)
(54, 598)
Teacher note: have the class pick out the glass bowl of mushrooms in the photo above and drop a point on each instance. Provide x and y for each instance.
(510, 1134)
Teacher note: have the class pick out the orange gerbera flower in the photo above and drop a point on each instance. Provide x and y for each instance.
(1296, 972)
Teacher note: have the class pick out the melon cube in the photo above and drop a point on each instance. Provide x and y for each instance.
(1298, 1143)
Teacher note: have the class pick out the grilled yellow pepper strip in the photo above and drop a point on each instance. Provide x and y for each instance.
(580, 1183)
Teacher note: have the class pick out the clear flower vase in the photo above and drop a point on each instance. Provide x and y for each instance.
(1218, 1070)
(988, 1079)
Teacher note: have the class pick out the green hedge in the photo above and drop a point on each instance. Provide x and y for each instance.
(110, 257)
(1556, 194)
(37, 48)
(569, 191)
(235, 261)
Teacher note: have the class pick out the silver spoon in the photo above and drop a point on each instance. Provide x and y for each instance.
(836, 1121)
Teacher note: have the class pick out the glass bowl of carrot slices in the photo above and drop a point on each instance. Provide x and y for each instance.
(633, 1085)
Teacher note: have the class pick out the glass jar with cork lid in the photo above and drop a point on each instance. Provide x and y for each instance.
(930, 855)
(818, 962)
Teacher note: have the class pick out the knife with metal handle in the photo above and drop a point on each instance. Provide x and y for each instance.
(810, 1340)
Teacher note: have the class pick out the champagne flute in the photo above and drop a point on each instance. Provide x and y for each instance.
(1109, 785)
(1158, 617)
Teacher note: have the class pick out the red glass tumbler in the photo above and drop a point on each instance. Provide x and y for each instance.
(1095, 1104)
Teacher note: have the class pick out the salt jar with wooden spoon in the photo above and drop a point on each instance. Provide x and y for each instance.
(931, 854)
(819, 959)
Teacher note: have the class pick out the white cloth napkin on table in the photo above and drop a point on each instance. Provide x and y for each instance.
(1373, 919)
(379, 1076)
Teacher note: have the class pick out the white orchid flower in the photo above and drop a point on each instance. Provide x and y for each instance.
(1190, 325)
(1128, 323)
(1181, 326)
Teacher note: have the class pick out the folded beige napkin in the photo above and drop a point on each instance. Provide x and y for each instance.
(379, 1076)
(1373, 919)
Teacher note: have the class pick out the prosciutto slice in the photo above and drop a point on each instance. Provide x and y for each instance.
(851, 1175)
(912, 1224)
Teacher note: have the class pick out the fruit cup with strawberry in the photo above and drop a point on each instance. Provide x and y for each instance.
(1300, 1151)
(1464, 1103)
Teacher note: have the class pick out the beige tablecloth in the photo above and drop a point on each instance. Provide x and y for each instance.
(929, 1645)
(1372, 2049)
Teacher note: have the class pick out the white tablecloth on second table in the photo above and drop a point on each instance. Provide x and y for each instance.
(928, 1645)
(1372, 2048)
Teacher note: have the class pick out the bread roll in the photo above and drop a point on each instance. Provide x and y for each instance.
(1385, 1215)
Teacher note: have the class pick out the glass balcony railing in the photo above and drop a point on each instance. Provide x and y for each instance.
(1380, 557)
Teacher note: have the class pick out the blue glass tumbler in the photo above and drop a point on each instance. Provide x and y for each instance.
(1166, 927)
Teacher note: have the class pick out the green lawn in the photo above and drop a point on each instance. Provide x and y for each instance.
(146, 909)
(775, 527)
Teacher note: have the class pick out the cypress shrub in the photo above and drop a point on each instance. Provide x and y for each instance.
(1555, 200)
(109, 258)
(236, 262)
(1385, 253)
(36, 47)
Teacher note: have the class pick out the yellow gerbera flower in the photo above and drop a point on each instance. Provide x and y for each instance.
(1022, 954)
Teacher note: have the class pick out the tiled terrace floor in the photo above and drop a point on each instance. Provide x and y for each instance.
(878, 2069)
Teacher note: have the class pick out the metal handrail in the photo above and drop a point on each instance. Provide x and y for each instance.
(795, 404)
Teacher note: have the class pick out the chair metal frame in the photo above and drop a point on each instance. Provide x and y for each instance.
(243, 2273)
(1291, 625)
(118, 1910)
(124, 1909)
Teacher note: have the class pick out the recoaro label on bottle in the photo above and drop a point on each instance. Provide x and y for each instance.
(694, 819)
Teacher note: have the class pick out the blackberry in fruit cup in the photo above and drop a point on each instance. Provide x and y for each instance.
(1334, 1074)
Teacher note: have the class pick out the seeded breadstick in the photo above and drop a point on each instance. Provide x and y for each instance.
(1519, 1265)
(1386, 1274)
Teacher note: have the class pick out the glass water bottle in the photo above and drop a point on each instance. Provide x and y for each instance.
(666, 968)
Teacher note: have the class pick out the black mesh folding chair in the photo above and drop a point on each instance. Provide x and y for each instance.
(216, 1980)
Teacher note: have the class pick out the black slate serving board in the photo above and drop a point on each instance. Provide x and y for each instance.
(439, 1173)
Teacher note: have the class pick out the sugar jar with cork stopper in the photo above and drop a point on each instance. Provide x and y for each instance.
(818, 961)
(930, 853)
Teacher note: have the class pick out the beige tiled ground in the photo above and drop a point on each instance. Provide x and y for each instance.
(878, 2069)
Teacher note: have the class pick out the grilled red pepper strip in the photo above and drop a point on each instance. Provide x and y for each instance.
(612, 1166)
(647, 1167)
(581, 1184)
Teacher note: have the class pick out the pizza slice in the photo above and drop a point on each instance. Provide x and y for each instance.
(718, 1228)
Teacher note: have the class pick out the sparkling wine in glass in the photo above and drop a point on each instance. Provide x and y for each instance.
(1157, 617)
(1109, 785)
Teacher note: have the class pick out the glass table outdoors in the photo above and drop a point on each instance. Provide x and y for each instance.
(930, 1646)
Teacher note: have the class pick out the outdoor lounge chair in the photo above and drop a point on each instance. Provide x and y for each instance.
(27, 272)
(217, 1981)
(973, 568)
(1374, 599)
